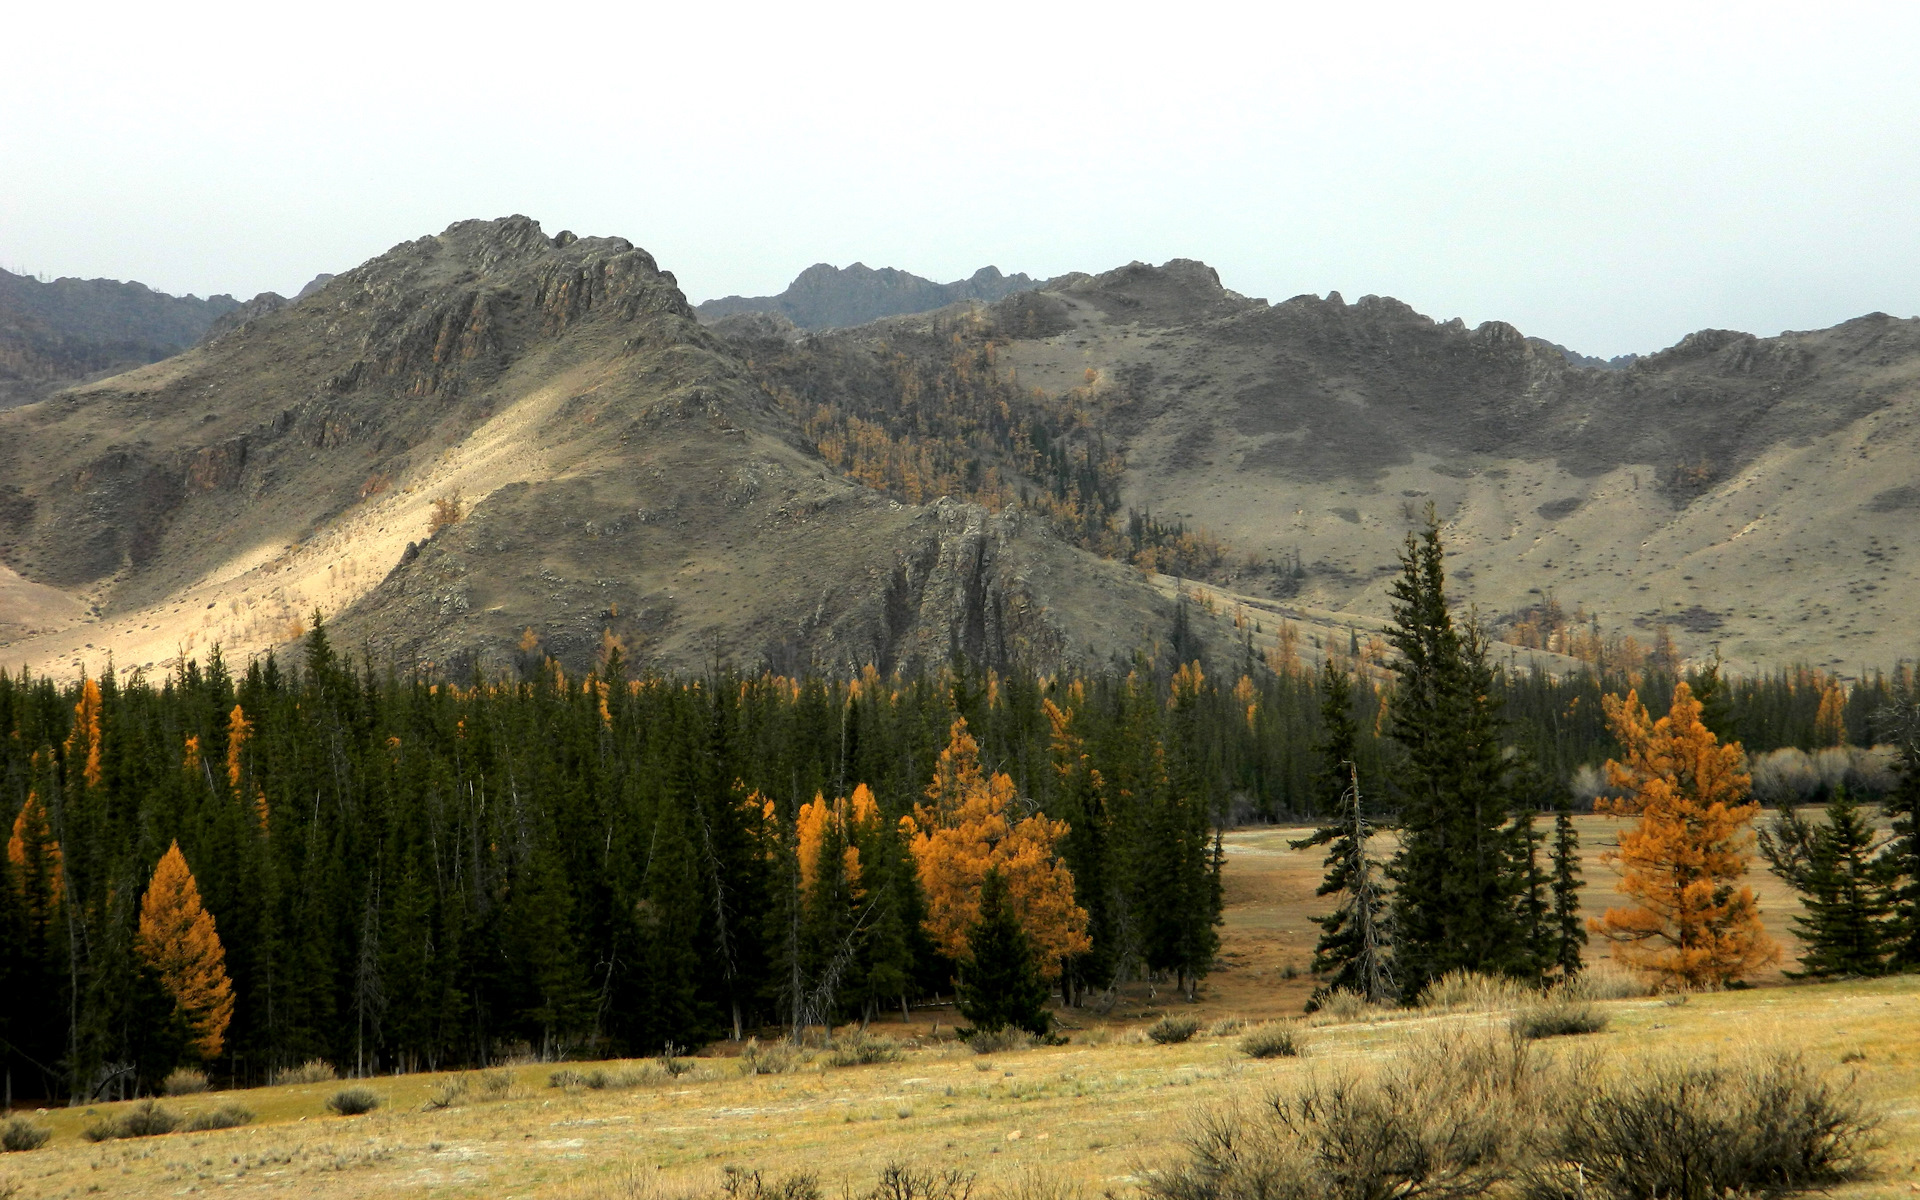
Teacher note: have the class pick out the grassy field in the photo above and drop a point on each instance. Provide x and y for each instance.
(1094, 1111)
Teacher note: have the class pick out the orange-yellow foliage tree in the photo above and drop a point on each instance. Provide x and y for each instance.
(178, 940)
(83, 740)
(971, 823)
(1830, 723)
(851, 822)
(1691, 924)
(34, 855)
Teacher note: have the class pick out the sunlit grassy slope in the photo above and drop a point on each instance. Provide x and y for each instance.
(1094, 1110)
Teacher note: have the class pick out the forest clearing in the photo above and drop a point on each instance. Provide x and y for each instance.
(1092, 1113)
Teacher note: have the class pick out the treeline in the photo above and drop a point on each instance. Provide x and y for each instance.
(406, 873)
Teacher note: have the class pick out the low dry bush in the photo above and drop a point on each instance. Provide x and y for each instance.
(1171, 1031)
(996, 1041)
(227, 1116)
(898, 1182)
(184, 1081)
(1342, 1007)
(859, 1049)
(1470, 991)
(768, 1058)
(497, 1084)
(1694, 1129)
(314, 1070)
(1036, 1184)
(671, 1062)
(1558, 1015)
(1446, 1120)
(626, 1075)
(739, 1183)
(1467, 1114)
(20, 1134)
(353, 1101)
(1606, 981)
(1227, 1026)
(1270, 1041)
(445, 1093)
(145, 1119)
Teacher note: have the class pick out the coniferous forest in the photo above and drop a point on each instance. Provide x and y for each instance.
(413, 873)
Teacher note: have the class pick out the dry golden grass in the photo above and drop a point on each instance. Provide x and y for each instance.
(1093, 1111)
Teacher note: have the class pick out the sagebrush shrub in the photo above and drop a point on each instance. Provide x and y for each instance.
(353, 1101)
(1558, 1016)
(859, 1049)
(1471, 991)
(314, 1070)
(1270, 1041)
(768, 1058)
(20, 1134)
(740, 1183)
(445, 1093)
(1171, 1031)
(1706, 1128)
(184, 1081)
(999, 1040)
(227, 1116)
(145, 1119)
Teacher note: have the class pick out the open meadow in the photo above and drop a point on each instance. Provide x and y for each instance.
(1092, 1113)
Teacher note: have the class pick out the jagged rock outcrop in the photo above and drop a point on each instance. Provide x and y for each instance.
(611, 471)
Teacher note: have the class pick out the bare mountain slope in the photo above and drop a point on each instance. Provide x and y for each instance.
(1756, 492)
(621, 477)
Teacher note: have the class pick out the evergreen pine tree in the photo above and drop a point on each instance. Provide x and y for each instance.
(1569, 931)
(1353, 948)
(1460, 869)
(1899, 724)
(1000, 982)
(1845, 883)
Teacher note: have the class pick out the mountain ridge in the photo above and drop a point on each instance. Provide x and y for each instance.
(629, 475)
(826, 297)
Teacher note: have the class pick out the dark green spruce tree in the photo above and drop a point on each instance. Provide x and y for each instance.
(1460, 873)
(1899, 725)
(1846, 884)
(1569, 930)
(1354, 951)
(1000, 983)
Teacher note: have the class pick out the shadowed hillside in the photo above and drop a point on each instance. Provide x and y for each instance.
(56, 333)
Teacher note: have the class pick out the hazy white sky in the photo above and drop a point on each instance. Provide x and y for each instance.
(1610, 176)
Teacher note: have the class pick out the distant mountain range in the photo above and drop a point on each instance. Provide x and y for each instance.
(829, 297)
(1015, 478)
(54, 334)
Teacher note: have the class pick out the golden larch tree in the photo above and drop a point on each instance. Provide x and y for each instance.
(83, 740)
(178, 940)
(1692, 923)
(972, 823)
(34, 855)
(1830, 723)
(852, 820)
